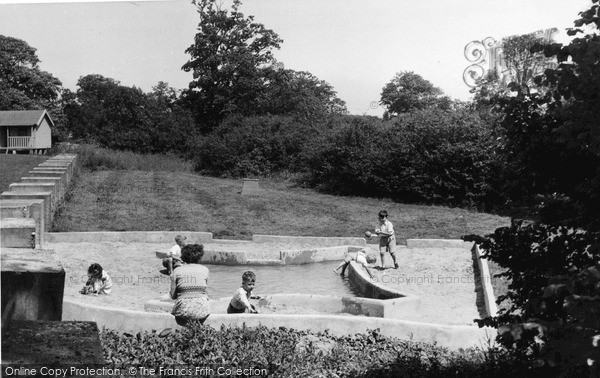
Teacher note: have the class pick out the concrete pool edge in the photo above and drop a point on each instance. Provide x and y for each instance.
(486, 283)
(193, 237)
(449, 336)
(327, 304)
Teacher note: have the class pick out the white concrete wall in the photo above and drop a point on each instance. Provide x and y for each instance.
(452, 337)
(486, 284)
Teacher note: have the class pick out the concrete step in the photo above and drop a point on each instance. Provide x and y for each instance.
(14, 211)
(58, 174)
(27, 208)
(36, 188)
(45, 173)
(46, 197)
(56, 181)
(35, 279)
(63, 170)
(17, 233)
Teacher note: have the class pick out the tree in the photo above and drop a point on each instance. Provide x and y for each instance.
(230, 58)
(409, 91)
(173, 125)
(85, 108)
(165, 94)
(551, 140)
(523, 63)
(520, 65)
(23, 85)
(573, 99)
(300, 93)
(115, 116)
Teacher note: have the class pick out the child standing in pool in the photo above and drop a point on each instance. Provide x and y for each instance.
(240, 302)
(387, 238)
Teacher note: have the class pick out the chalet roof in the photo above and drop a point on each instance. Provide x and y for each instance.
(23, 117)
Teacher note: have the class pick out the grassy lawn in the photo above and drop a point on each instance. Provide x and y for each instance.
(13, 167)
(130, 200)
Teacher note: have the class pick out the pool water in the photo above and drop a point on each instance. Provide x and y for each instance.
(316, 278)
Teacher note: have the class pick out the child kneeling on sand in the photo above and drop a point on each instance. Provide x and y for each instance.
(98, 282)
(240, 302)
(360, 257)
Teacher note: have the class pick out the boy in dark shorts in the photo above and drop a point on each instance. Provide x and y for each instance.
(387, 238)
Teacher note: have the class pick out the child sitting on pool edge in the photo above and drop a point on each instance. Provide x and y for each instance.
(173, 259)
(360, 257)
(98, 282)
(240, 302)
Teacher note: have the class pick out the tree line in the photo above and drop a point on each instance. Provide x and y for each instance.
(533, 141)
(245, 114)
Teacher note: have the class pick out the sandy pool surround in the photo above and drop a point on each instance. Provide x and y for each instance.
(381, 311)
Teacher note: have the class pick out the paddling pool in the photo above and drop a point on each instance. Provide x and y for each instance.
(316, 278)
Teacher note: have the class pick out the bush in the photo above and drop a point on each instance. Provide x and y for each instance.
(431, 156)
(286, 352)
(428, 156)
(447, 157)
(252, 146)
(554, 294)
(345, 157)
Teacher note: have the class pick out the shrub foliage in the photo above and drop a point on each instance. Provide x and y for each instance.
(428, 156)
(551, 148)
(252, 146)
(285, 352)
(553, 319)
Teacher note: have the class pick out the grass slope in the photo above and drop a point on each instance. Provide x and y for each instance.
(126, 200)
(13, 167)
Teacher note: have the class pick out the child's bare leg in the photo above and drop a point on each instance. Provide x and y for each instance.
(391, 250)
(339, 267)
(394, 258)
(170, 266)
(382, 255)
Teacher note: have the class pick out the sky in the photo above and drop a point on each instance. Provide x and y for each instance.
(357, 46)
